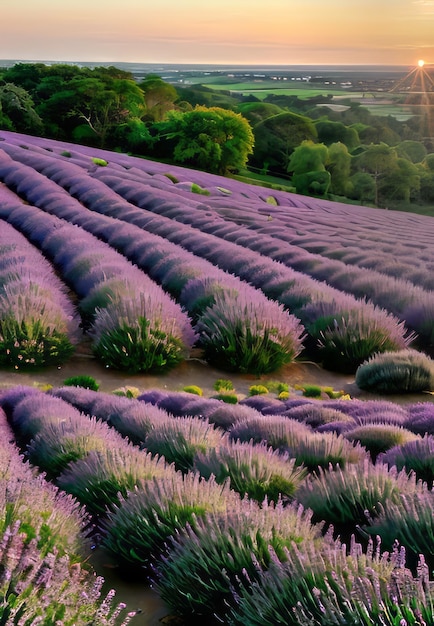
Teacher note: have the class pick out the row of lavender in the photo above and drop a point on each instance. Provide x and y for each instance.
(42, 545)
(208, 551)
(334, 229)
(269, 338)
(38, 322)
(350, 340)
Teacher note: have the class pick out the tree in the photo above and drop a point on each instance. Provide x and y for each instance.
(276, 138)
(102, 105)
(307, 165)
(16, 110)
(414, 151)
(339, 166)
(334, 132)
(212, 139)
(159, 97)
(378, 160)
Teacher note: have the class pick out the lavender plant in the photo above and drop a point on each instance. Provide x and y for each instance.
(135, 531)
(414, 456)
(204, 564)
(102, 477)
(378, 438)
(405, 371)
(254, 470)
(278, 431)
(178, 439)
(346, 497)
(46, 588)
(238, 334)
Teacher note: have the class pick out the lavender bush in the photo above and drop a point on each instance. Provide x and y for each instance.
(136, 530)
(254, 470)
(204, 564)
(237, 334)
(405, 371)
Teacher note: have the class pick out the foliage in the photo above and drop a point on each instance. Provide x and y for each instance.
(257, 390)
(137, 529)
(377, 438)
(82, 380)
(406, 371)
(205, 562)
(214, 139)
(254, 470)
(240, 335)
(414, 456)
(137, 336)
(194, 389)
(222, 384)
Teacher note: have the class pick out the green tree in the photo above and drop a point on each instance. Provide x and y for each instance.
(102, 105)
(413, 151)
(378, 160)
(159, 97)
(363, 187)
(402, 181)
(212, 139)
(339, 166)
(308, 168)
(17, 110)
(330, 132)
(277, 137)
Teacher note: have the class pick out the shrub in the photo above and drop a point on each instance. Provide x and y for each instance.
(138, 335)
(336, 585)
(239, 334)
(221, 384)
(414, 456)
(228, 398)
(179, 438)
(136, 530)
(254, 470)
(46, 589)
(194, 389)
(278, 431)
(312, 391)
(58, 444)
(420, 418)
(198, 189)
(102, 477)
(347, 497)
(314, 450)
(204, 564)
(406, 371)
(225, 416)
(346, 339)
(408, 520)
(88, 382)
(30, 341)
(315, 415)
(100, 162)
(377, 438)
(127, 391)
(257, 390)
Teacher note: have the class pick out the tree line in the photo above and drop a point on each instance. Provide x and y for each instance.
(349, 153)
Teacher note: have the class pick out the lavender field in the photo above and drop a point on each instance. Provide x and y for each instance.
(274, 509)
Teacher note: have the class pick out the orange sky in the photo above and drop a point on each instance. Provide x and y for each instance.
(284, 32)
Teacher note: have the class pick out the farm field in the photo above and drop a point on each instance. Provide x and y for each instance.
(215, 308)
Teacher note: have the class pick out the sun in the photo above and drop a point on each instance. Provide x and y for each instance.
(421, 63)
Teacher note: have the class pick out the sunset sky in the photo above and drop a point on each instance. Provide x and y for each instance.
(284, 32)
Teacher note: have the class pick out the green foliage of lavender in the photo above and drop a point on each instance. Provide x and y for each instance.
(351, 496)
(406, 371)
(178, 439)
(205, 563)
(335, 584)
(240, 335)
(136, 531)
(254, 470)
(136, 335)
(102, 477)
